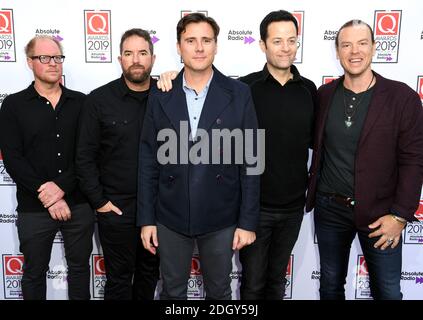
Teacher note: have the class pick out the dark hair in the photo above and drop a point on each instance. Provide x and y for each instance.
(351, 23)
(29, 48)
(275, 16)
(139, 33)
(196, 17)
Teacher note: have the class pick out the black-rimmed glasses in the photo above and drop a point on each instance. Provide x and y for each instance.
(46, 59)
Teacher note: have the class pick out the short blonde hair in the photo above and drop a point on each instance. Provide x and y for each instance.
(29, 48)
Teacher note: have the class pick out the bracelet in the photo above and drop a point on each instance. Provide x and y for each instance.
(399, 219)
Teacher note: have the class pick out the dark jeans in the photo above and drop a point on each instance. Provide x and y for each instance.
(36, 231)
(265, 261)
(131, 271)
(215, 249)
(335, 232)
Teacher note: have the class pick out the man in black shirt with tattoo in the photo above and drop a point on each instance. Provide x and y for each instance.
(37, 138)
(107, 167)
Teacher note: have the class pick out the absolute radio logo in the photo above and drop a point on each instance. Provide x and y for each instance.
(420, 87)
(52, 32)
(245, 36)
(8, 218)
(289, 277)
(362, 284)
(195, 281)
(12, 275)
(58, 275)
(99, 275)
(413, 232)
(415, 277)
(5, 179)
(98, 36)
(328, 79)
(7, 36)
(299, 15)
(387, 30)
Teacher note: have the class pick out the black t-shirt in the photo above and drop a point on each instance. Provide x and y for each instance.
(340, 141)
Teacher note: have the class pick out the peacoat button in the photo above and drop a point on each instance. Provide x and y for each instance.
(218, 121)
(171, 178)
(218, 176)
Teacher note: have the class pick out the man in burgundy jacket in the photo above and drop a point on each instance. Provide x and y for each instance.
(367, 168)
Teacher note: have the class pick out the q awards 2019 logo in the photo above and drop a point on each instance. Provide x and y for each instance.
(386, 28)
(289, 277)
(362, 283)
(328, 79)
(98, 36)
(7, 36)
(299, 15)
(12, 276)
(413, 232)
(420, 87)
(99, 275)
(5, 179)
(195, 281)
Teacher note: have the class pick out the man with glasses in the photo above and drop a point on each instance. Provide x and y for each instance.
(37, 140)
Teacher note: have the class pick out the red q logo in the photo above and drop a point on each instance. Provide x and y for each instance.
(195, 266)
(387, 23)
(13, 265)
(5, 22)
(419, 212)
(289, 267)
(99, 265)
(420, 87)
(362, 267)
(328, 79)
(299, 17)
(97, 23)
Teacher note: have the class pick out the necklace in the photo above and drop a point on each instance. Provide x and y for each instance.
(350, 110)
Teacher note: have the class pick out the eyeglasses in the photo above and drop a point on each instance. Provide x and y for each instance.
(46, 59)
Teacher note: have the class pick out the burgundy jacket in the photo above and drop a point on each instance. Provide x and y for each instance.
(389, 157)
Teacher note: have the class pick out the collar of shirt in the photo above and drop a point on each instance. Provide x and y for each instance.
(267, 76)
(31, 93)
(189, 90)
(123, 87)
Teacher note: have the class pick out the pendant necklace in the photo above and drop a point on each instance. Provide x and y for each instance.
(350, 110)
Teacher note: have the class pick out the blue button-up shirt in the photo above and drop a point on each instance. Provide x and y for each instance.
(195, 103)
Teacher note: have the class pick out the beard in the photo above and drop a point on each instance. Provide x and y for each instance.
(137, 76)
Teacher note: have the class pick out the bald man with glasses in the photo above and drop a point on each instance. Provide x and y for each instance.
(37, 139)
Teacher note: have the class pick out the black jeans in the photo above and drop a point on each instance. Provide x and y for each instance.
(131, 271)
(335, 232)
(265, 261)
(36, 231)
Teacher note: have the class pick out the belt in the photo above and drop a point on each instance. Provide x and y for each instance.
(340, 199)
